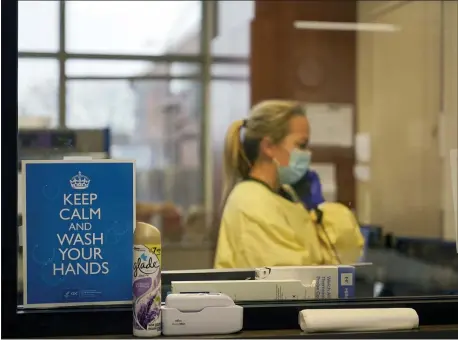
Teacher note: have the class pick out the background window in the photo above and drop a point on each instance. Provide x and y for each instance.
(101, 104)
(38, 89)
(133, 27)
(129, 68)
(38, 26)
(108, 68)
(233, 23)
(151, 124)
(241, 71)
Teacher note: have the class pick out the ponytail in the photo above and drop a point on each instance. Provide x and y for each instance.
(235, 163)
(266, 119)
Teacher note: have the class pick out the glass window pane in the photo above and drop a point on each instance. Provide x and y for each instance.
(42, 14)
(133, 27)
(158, 128)
(37, 107)
(134, 110)
(231, 70)
(38, 81)
(233, 28)
(128, 68)
(100, 104)
(227, 109)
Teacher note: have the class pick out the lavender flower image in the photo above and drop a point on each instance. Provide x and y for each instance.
(147, 308)
(147, 313)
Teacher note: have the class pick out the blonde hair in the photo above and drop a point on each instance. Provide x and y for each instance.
(269, 118)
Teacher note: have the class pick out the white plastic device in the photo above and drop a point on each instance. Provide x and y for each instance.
(201, 314)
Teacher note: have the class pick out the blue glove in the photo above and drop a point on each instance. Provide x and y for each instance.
(309, 190)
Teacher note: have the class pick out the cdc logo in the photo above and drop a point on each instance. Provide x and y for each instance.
(71, 294)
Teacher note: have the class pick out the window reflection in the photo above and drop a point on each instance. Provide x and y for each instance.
(150, 123)
(393, 169)
(43, 14)
(150, 27)
(232, 29)
(81, 68)
(38, 91)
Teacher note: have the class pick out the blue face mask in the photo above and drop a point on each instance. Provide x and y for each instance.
(299, 162)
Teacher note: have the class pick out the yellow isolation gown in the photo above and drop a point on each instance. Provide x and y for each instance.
(261, 228)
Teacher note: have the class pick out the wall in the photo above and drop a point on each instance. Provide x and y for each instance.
(450, 100)
(399, 103)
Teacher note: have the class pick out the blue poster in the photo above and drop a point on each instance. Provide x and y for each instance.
(78, 232)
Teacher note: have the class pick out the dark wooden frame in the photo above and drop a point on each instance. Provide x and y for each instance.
(118, 320)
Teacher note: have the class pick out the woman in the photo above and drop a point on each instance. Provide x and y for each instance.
(263, 222)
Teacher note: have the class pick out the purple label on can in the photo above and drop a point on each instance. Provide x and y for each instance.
(141, 286)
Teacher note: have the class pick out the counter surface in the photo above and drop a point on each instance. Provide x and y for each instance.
(425, 332)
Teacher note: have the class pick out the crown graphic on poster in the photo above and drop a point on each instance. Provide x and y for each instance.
(80, 182)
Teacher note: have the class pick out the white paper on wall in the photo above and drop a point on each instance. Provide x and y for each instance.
(328, 179)
(331, 124)
(362, 173)
(363, 147)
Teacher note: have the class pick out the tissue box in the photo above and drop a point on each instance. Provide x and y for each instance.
(247, 290)
(331, 282)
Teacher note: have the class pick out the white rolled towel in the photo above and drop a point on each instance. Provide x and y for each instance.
(357, 320)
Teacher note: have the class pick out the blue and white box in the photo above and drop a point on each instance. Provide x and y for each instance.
(331, 282)
(79, 218)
